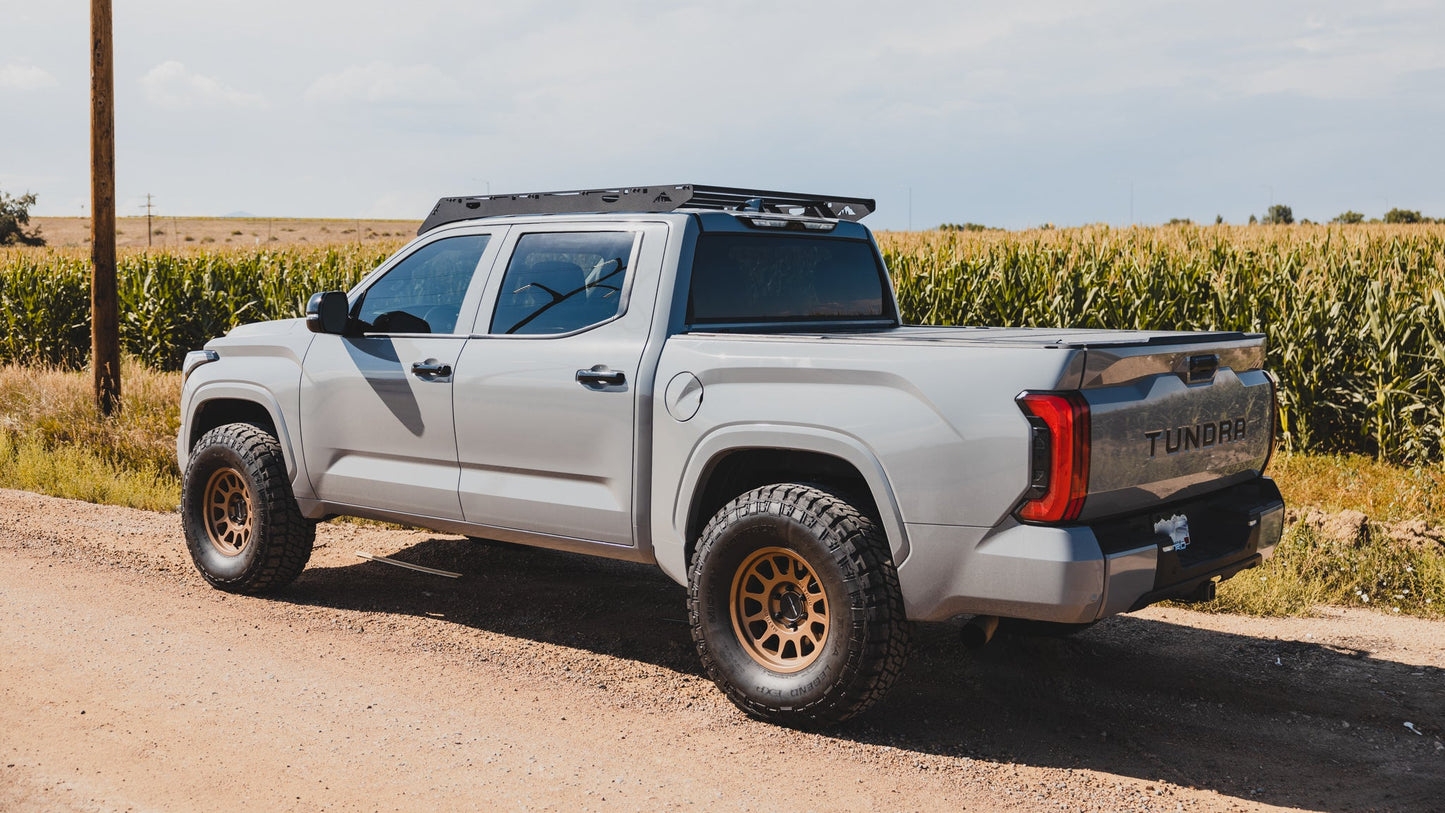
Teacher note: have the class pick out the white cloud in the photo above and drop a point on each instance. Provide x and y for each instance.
(25, 77)
(1048, 110)
(385, 83)
(172, 84)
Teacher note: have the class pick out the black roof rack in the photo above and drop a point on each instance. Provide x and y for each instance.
(647, 199)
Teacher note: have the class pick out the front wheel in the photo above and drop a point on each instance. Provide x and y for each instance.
(243, 528)
(795, 606)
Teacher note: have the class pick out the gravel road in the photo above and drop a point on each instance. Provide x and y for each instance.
(544, 680)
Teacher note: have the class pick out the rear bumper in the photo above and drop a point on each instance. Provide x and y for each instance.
(1079, 573)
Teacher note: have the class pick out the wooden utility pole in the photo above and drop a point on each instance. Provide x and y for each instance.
(104, 312)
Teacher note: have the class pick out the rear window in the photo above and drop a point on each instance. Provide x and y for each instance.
(741, 278)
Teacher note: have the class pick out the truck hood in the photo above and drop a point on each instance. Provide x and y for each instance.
(286, 338)
(255, 330)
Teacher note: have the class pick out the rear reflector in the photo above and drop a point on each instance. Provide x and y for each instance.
(1273, 417)
(1058, 454)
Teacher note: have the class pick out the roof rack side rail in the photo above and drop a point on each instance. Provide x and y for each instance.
(666, 198)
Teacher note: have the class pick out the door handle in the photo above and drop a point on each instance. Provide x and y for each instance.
(431, 368)
(601, 375)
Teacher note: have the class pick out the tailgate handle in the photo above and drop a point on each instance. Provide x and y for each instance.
(1202, 368)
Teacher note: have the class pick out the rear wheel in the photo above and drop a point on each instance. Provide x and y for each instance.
(795, 606)
(243, 528)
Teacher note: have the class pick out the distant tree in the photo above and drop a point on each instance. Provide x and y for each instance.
(1180, 221)
(965, 227)
(1403, 216)
(1253, 220)
(1349, 216)
(1219, 220)
(14, 217)
(1279, 214)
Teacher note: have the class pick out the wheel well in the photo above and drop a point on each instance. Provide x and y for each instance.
(743, 470)
(222, 411)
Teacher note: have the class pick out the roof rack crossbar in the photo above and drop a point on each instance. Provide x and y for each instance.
(666, 198)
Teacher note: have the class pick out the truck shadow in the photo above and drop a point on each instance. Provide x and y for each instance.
(1281, 722)
(610, 607)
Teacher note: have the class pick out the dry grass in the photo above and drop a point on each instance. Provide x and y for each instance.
(1311, 569)
(174, 233)
(1384, 492)
(1373, 567)
(53, 440)
(964, 243)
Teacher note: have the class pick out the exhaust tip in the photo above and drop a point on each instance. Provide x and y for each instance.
(1206, 591)
(979, 631)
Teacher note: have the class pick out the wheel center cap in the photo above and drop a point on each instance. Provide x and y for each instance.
(791, 608)
(238, 511)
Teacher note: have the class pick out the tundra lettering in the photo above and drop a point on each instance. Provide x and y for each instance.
(1199, 436)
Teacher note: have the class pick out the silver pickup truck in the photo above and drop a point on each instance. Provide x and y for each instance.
(717, 381)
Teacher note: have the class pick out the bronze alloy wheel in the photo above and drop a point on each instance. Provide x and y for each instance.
(795, 607)
(779, 610)
(244, 528)
(229, 511)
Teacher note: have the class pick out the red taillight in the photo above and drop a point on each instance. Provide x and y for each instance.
(1059, 444)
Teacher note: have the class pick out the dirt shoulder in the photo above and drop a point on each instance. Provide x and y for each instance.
(546, 680)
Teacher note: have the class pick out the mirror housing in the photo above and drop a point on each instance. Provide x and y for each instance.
(328, 312)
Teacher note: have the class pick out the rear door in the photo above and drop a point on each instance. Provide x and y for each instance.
(376, 406)
(547, 388)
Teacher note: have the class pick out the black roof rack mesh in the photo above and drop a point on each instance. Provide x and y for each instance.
(647, 199)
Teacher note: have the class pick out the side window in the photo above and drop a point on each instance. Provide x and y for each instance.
(423, 293)
(558, 282)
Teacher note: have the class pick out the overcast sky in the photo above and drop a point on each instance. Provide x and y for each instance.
(1005, 114)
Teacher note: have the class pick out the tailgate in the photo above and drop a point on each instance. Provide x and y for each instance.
(1174, 421)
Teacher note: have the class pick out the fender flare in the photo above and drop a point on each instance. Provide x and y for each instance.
(724, 440)
(237, 391)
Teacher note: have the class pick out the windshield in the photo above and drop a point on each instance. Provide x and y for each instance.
(750, 278)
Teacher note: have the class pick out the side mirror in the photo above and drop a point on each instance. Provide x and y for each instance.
(328, 312)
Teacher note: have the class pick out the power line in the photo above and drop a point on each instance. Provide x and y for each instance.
(149, 207)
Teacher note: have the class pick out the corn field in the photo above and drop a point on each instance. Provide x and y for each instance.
(1355, 315)
(170, 303)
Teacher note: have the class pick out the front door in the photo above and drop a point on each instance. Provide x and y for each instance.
(376, 405)
(546, 393)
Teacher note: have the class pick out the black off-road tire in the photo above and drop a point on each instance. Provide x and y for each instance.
(849, 639)
(243, 528)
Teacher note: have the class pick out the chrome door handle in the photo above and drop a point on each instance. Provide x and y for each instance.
(601, 375)
(431, 369)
